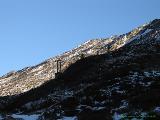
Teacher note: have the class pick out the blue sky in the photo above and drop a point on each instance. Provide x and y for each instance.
(34, 30)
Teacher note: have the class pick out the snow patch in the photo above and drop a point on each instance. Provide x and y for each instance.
(152, 73)
(69, 118)
(124, 104)
(135, 37)
(157, 109)
(90, 51)
(98, 108)
(117, 116)
(157, 37)
(26, 117)
(132, 39)
(147, 31)
(1, 117)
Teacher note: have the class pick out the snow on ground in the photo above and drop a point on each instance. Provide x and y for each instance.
(117, 116)
(157, 37)
(130, 40)
(124, 104)
(26, 117)
(147, 31)
(69, 118)
(152, 73)
(1, 117)
(126, 41)
(98, 108)
(124, 116)
(157, 109)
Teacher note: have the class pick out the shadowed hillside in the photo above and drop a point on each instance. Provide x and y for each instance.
(122, 79)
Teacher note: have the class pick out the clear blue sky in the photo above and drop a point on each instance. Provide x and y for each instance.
(34, 30)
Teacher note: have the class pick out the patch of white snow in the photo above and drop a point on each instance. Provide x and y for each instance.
(157, 109)
(25, 117)
(69, 118)
(117, 116)
(147, 31)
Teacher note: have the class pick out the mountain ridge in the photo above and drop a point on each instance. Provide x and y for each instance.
(47, 69)
(103, 79)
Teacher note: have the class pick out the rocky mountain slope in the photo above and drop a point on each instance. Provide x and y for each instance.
(17, 82)
(102, 79)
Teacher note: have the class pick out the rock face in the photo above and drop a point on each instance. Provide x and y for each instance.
(101, 79)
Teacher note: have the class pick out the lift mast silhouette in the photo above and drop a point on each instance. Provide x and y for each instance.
(59, 68)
